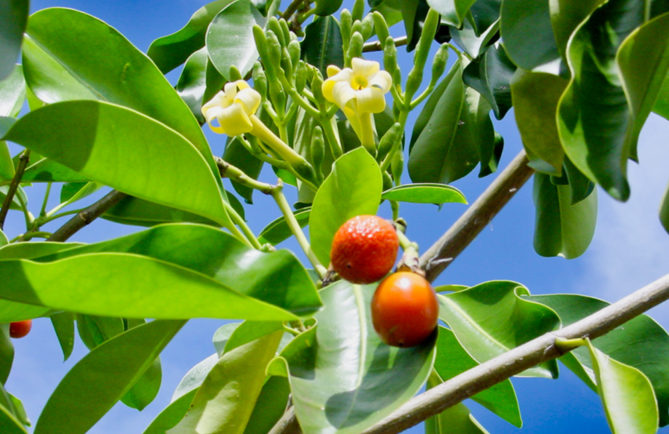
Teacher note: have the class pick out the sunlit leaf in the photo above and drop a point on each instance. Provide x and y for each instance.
(492, 318)
(12, 92)
(102, 377)
(6, 353)
(425, 193)
(13, 18)
(171, 415)
(133, 211)
(352, 188)
(342, 376)
(452, 11)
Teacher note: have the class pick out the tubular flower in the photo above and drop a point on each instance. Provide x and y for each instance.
(233, 108)
(359, 92)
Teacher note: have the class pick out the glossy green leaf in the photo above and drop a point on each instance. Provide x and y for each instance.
(452, 360)
(33, 250)
(664, 211)
(58, 66)
(432, 148)
(225, 400)
(195, 376)
(492, 318)
(102, 377)
(278, 230)
(198, 82)
(72, 191)
(484, 14)
(475, 139)
(455, 419)
(171, 415)
(596, 126)
(249, 331)
(170, 51)
(413, 14)
(472, 42)
(626, 393)
(221, 337)
(6, 353)
(425, 193)
(63, 325)
(562, 228)
(535, 99)
(640, 342)
(352, 188)
(527, 33)
(270, 405)
(277, 278)
(647, 45)
(41, 169)
(239, 51)
(326, 7)
(9, 423)
(452, 11)
(566, 15)
(95, 330)
(322, 44)
(13, 311)
(145, 389)
(490, 74)
(12, 92)
(342, 376)
(661, 106)
(133, 211)
(13, 18)
(115, 284)
(13, 413)
(126, 150)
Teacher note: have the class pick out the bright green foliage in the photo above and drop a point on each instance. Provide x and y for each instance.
(13, 18)
(452, 11)
(425, 193)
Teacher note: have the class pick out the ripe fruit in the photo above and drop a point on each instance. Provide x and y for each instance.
(364, 249)
(404, 309)
(19, 329)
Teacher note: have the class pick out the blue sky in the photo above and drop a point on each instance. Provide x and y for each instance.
(629, 249)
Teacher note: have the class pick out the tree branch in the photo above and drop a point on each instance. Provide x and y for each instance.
(87, 215)
(13, 186)
(541, 349)
(378, 46)
(477, 216)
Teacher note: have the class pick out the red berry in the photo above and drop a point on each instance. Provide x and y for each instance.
(19, 329)
(404, 309)
(364, 249)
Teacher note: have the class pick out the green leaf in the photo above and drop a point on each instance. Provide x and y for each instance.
(270, 405)
(475, 137)
(95, 330)
(535, 99)
(133, 211)
(342, 376)
(432, 147)
(278, 230)
(413, 14)
(11, 311)
(452, 360)
(12, 413)
(492, 318)
(63, 325)
(566, 15)
(452, 11)
(646, 46)
(230, 37)
(205, 252)
(9, 424)
(13, 18)
(103, 376)
(170, 51)
(352, 188)
(58, 66)
(237, 155)
(171, 415)
(249, 331)
(125, 150)
(326, 7)
(661, 106)
(596, 126)
(455, 419)
(6, 353)
(3, 239)
(33, 250)
(484, 14)
(640, 342)
(562, 228)
(73, 191)
(322, 44)
(198, 82)
(41, 169)
(490, 74)
(468, 38)
(626, 393)
(425, 193)
(664, 211)
(527, 33)
(16, 202)
(221, 337)
(146, 388)
(12, 92)
(225, 400)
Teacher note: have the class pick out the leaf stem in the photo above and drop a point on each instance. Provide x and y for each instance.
(11, 191)
(42, 211)
(277, 194)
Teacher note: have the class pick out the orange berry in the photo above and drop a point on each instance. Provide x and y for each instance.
(19, 329)
(404, 309)
(364, 249)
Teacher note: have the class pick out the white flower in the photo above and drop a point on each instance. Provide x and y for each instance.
(233, 108)
(359, 89)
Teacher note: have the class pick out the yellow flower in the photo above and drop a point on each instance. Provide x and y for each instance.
(359, 91)
(233, 108)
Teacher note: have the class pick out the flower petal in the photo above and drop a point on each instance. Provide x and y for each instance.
(364, 67)
(370, 100)
(249, 99)
(381, 80)
(343, 94)
(332, 70)
(233, 121)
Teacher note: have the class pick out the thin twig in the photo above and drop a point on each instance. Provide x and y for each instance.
(378, 46)
(477, 216)
(87, 215)
(541, 349)
(292, 7)
(11, 191)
